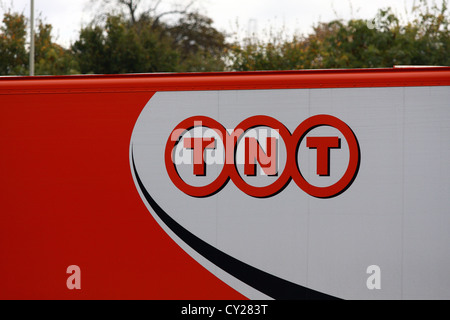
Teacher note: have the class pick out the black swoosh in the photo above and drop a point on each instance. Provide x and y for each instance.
(264, 282)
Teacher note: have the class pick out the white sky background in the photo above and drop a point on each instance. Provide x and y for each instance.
(242, 16)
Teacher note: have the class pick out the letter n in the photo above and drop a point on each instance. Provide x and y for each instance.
(254, 152)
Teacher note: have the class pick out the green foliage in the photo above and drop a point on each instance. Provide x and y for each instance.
(122, 47)
(145, 45)
(201, 46)
(51, 58)
(382, 42)
(89, 50)
(13, 55)
(138, 41)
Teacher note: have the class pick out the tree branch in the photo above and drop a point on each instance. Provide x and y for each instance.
(182, 11)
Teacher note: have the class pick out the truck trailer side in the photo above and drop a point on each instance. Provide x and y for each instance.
(315, 184)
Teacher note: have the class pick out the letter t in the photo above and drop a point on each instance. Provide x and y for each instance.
(323, 146)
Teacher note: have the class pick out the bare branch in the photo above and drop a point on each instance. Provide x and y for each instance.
(155, 7)
(158, 17)
(134, 8)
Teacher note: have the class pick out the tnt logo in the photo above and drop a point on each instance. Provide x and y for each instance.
(200, 143)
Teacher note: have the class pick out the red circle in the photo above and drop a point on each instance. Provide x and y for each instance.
(187, 124)
(283, 180)
(353, 165)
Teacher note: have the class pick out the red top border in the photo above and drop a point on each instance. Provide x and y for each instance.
(302, 79)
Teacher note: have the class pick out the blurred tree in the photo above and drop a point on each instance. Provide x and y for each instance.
(133, 10)
(275, 54)
(201, 46)
(51, 58)
(130, 42)
(381, 42)
(89, 50)
(121, 47)
(139, 40)
(13, 55)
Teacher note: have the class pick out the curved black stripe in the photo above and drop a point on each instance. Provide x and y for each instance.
(264, 282)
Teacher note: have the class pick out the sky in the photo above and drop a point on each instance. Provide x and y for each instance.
(241, 17)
